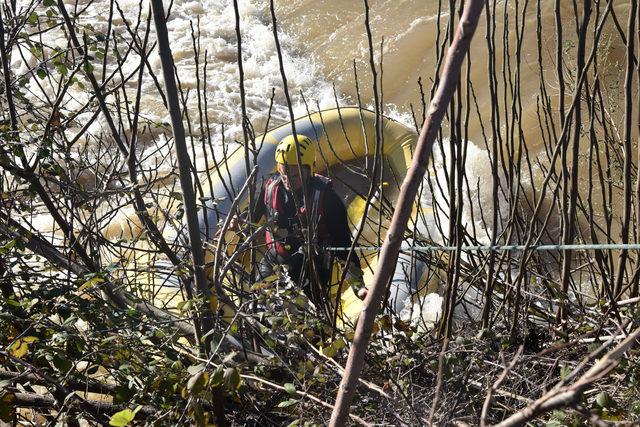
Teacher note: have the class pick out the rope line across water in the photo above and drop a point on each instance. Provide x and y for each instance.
(434, 248)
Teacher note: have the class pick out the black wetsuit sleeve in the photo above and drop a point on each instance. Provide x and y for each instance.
(259, 209)
(337, 224)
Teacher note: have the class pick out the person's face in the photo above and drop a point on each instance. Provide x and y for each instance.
(291, 178)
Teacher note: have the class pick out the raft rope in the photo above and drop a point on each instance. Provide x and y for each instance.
(435, 248)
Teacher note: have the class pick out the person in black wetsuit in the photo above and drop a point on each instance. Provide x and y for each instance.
(293, 226)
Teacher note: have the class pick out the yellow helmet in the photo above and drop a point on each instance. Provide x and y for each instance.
(286, 151)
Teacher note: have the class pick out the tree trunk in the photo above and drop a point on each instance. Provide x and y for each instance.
(205, 323)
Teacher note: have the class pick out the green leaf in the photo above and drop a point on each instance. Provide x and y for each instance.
(12, 302)
(48, 2)
(217, 379)
(33, 18)
(8, 246)
(61, 363)
(558, 416)
(290, 388)
(77, 345)
(62, 69)
(198, 415)
(328, 351)
(232, 379)
(122, 394)
(88, 67)
(20, 347)
(122, 418)
(185, 306)
(271, 279)
(565, 371)
(91, 282)
(260, 285)
(194, 369)
(287, 403)
(604, 400)
(197, 382)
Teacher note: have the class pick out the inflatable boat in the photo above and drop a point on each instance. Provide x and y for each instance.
(346, 140)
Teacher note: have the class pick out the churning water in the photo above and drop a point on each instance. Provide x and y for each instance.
(326, 56)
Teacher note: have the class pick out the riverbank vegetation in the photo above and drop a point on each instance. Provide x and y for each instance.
(106, 317)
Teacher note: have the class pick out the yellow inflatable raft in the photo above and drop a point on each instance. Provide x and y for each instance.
(346, 140)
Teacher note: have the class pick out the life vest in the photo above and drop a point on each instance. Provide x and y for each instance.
(274, 203)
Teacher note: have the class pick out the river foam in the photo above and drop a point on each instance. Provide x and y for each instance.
(212, 22)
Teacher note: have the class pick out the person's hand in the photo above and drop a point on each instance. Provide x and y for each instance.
(354, 279)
